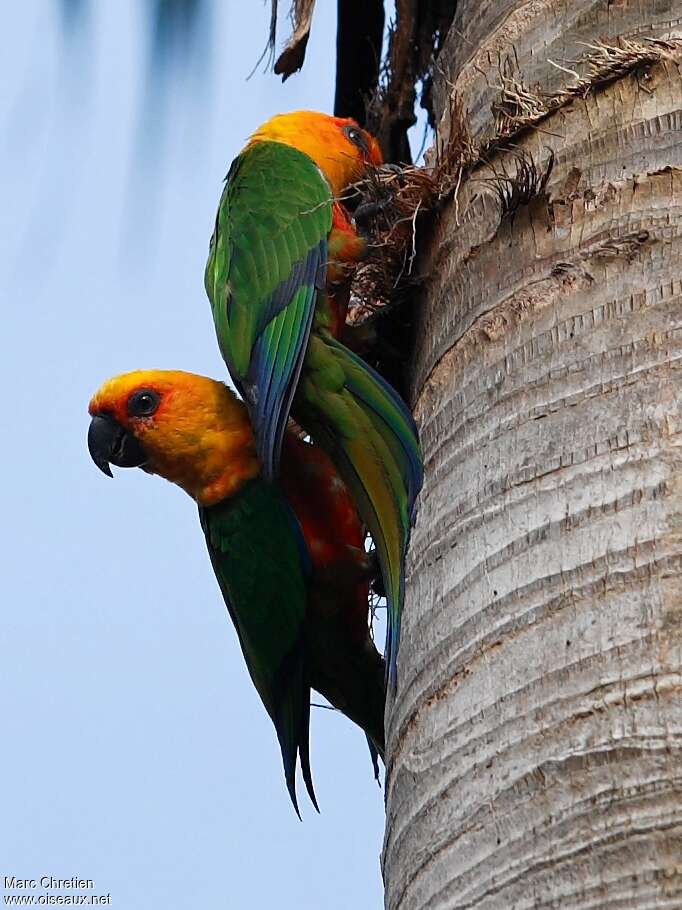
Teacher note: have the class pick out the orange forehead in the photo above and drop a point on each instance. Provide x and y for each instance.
(297, 125)
(325, 139)
(112, 396)
(195, 398)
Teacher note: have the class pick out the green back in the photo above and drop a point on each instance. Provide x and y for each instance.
(267, 260)
(256, 549)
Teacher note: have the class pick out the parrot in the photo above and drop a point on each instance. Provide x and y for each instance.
(281, 244)
(288, 555)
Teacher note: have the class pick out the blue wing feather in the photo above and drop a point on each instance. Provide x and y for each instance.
(276, 366)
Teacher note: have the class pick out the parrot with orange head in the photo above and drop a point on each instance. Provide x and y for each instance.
(288, 556)
(282, 243)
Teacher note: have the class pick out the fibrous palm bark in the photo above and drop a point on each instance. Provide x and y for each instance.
(534, 745)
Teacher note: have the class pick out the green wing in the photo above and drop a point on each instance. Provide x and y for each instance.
(370, 435)
(267, 259)
(258, 557)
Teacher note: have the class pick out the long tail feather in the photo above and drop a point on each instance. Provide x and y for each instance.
(367, 430)
(304, 752)
(291, 717)
(374, 756)
(389, 409)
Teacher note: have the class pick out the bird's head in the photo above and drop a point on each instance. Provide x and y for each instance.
(189, 429)
(341, 149)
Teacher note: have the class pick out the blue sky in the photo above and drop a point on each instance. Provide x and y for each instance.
(135, 751)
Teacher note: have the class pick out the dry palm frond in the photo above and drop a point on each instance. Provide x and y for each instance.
(292, 57)
(393, 200)
(528, 181)
(520, 107)
(401, 200)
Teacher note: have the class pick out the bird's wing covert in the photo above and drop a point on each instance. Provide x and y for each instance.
(267, 260)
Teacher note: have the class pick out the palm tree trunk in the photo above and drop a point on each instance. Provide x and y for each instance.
(534, 745)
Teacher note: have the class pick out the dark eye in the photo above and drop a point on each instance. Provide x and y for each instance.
(357, 137)
(143, 403)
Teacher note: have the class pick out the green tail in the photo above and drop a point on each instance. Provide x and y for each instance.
(253, 543)
(367, 430)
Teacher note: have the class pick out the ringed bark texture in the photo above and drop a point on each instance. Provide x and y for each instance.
(534, 746)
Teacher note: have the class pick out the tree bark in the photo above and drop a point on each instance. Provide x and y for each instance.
(359, 35)
(534, 743)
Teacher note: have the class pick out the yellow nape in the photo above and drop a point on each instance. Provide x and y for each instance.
(328, 141)
(199, 437)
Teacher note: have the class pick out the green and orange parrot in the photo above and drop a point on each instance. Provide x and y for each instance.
(282, 242)
(288, 556)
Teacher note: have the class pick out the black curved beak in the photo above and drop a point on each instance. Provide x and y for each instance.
(110, 443)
